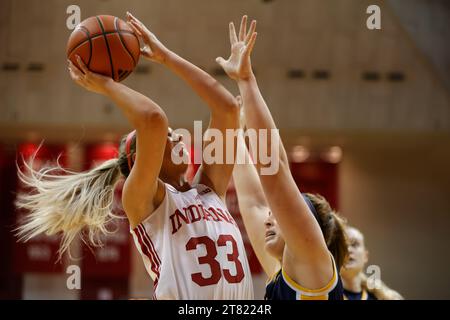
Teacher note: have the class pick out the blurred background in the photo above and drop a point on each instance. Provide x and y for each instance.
(365, 115)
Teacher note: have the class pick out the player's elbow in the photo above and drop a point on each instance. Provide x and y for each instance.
(152, 119)
(227, 108)
(232, 107)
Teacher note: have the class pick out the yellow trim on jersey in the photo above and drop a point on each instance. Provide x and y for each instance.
(364, 295)
(315, 292)
(305, 297)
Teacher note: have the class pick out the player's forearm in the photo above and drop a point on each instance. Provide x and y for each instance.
(216, 96)
(253, 214)
(137, 108)
(252, 207)
(258, 115)
(246, 180)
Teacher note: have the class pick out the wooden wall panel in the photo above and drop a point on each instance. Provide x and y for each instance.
(301, 34)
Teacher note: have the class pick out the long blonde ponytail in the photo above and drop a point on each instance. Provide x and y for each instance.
(71, 203)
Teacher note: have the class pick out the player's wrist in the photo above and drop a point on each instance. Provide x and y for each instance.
(166, 57)
(109, 87)
(246, 79)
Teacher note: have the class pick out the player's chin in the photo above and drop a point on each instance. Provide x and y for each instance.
(270, 239)
(352, 266)
(272, 245)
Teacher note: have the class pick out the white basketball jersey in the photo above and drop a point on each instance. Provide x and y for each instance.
(193, 249)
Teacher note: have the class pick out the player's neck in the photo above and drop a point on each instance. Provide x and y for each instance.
(178, 183)
(352, 284)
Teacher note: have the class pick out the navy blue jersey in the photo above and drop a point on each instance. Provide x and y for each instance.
(282, 287)
(363, 295)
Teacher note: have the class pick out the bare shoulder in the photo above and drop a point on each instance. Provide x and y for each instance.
(159, 195)
(306, 272)
(135, 212)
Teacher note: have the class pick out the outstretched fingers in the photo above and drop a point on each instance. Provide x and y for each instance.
(136, 30)
(139, 29)
(233, 37)
(75, 73)
(251, 44)
(250, 31)
(83, 67)
(132, 18)
(243, 35)
(243, 28)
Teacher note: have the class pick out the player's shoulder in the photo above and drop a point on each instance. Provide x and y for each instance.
(280, 286)
(171, 188)
(203, 189)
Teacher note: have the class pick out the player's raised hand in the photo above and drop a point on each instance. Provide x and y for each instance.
(153, 49)
(89, 80)
(238, 66)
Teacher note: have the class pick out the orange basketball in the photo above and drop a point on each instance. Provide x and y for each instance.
(106, 44)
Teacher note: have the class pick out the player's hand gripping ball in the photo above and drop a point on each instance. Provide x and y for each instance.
(106, 44)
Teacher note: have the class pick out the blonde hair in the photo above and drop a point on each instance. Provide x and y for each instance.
(58, 200)
(383, 292)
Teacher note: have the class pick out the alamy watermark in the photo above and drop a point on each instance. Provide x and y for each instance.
(374, 20)
(74, 17)
(73, 281)
(374, 277)
(223, 149)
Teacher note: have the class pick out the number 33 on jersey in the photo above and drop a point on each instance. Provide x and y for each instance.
(193, 249)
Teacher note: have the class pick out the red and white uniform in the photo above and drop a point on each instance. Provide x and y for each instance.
(193, 249)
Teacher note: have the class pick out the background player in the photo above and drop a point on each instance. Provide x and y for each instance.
(190, 244)
(352, 273)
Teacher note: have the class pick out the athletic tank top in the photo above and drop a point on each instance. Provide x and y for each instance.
(192, 248)
(363, 295)
(282, 287)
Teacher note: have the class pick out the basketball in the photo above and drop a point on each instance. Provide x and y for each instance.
(106, 44)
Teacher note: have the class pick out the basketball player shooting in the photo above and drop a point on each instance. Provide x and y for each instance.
(190, 244)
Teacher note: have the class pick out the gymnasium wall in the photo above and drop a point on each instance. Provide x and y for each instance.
(317, 64)
(398, 195)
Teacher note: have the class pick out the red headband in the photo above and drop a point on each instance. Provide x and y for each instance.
(128, 147)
